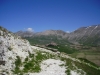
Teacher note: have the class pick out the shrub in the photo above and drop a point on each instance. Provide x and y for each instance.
(68, 72)
(30, 55)
(26, 59)
(10, 48)
(18, 61)
(0, 42)
(17, 64)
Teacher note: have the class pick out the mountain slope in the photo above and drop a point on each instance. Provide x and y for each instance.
(44, 33)
(85, 35)
(25, 33)
(18, 57)
(46, 37)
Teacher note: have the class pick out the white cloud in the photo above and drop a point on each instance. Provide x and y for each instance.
(67, 31)
(30, 29)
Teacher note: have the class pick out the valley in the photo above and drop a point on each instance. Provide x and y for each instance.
(81, 43)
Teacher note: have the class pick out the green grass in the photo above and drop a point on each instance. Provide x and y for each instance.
(63, 48)
(89, 55)
(32, 65)
(90, 70)
(43, 40)
(87, 61)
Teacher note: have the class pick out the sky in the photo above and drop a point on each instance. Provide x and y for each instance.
(41, 15)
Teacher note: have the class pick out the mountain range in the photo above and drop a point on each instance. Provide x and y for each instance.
(85, 35)
(18, 57)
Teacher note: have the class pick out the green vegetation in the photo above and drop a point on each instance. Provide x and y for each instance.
(63, 44)
(88, 56)
(30, 55)
(63, 48)
(18, 61)
(88, 69)
(91, 41)
(10, 48)
(17, 64)
(85, 54)
(0, 42)
(32, 65)
(78, 67)
(68, 72)
(87, 61)
(43, 40)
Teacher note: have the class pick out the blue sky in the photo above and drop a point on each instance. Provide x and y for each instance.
(40, 15)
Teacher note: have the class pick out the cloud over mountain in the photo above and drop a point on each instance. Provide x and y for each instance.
(30, 29)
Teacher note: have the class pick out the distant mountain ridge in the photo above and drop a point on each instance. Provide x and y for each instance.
(24, 33)
(52, 32)
(47, 32)
(85, 35)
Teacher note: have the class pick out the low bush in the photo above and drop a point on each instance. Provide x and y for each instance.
(10, 48)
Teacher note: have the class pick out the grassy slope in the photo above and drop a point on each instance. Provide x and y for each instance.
(32, 64)
(43, 40)
(62, 48)
(91, 41)
(90, 55)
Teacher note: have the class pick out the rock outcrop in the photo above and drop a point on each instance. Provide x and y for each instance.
(11, 46)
